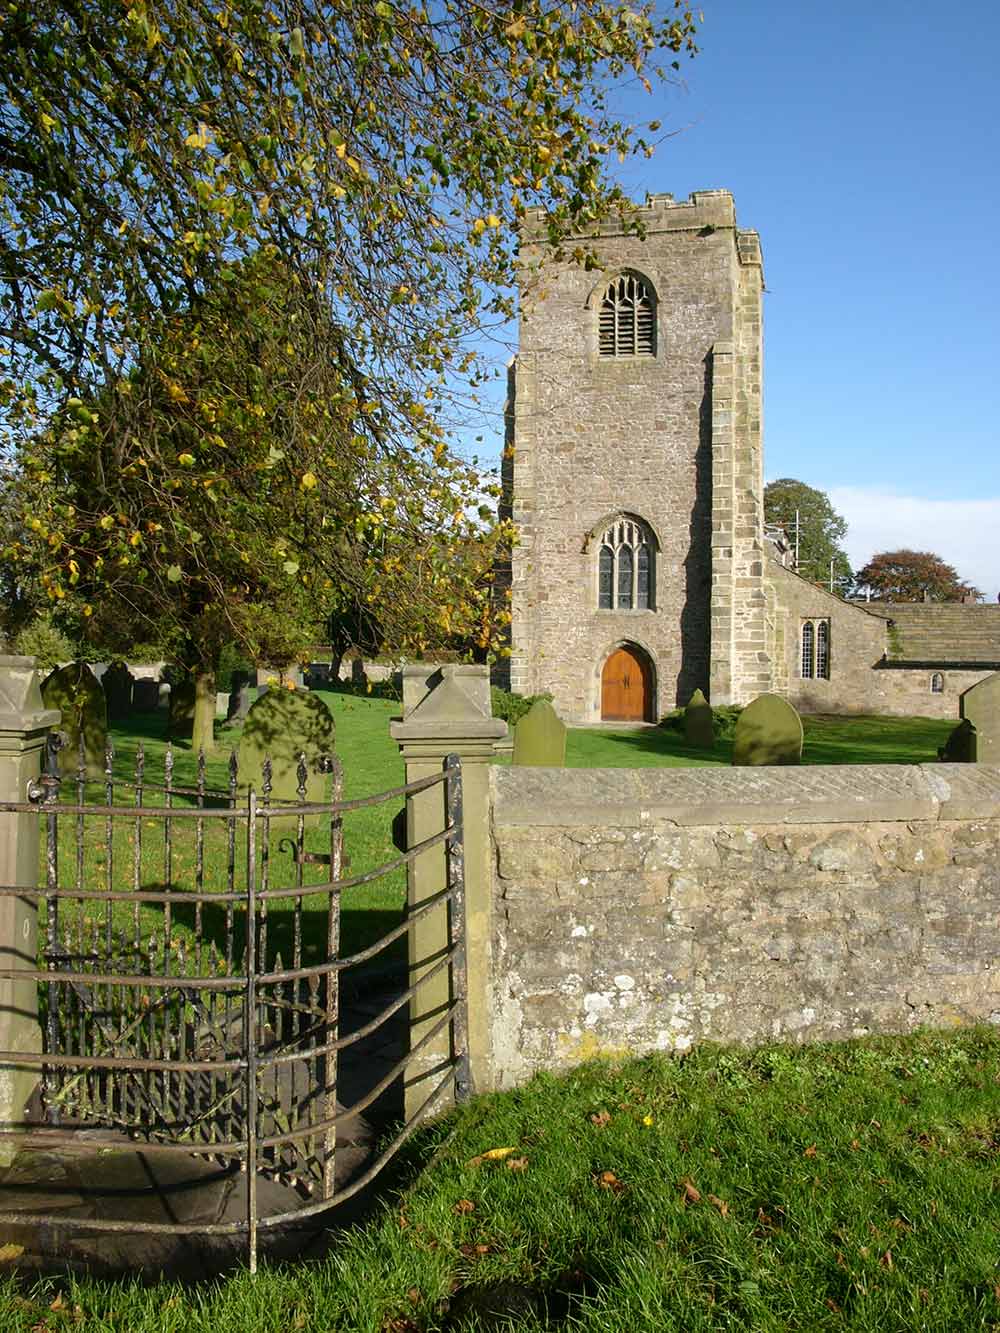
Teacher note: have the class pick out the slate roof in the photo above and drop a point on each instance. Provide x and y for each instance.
(942, 634)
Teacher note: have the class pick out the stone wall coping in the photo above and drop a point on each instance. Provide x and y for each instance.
(833, 794)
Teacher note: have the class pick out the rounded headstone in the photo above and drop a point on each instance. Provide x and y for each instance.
(283, 724)
(699, 728)
(76, 692)
(769, 731)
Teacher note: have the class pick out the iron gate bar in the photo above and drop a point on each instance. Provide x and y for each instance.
(253, 1146)
(291, 1136)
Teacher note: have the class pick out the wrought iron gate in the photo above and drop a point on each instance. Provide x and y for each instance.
(198, 1012)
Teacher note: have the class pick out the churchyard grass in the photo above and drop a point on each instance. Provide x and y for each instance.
(829, 739)
(371, 764)
(845, 1186)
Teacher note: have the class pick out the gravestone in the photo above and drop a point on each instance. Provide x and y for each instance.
(146, 696)
(180, 713)
(960, 747)
(980, 705)
(75, 691)
(239, 697)
(769, 731)
(699, 728)
(540, 737)
(283, 724)
(118, 684)
(359, 677)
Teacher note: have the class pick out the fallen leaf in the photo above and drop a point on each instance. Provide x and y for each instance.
(600, 1119)
(413, 1295)
(464, 1206)
(57, 1304)
(690, 1191)
(810, 1151)
(517, 1163)
(721, 1204)
(491, 1155)
(8, 1253)
(855, 1144)
(886, 1259)
(831, 1304)
(609, 1181)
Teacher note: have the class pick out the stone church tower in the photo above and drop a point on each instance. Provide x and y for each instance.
(634, 469)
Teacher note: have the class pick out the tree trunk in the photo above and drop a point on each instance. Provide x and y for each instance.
(203, 733)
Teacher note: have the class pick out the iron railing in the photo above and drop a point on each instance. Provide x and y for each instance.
(199, 1038)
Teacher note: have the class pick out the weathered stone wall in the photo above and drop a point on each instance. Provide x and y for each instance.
(639, 910)
(645, 435)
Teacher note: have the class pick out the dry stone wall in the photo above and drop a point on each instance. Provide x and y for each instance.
(639, 910)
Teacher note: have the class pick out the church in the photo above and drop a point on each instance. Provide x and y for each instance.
(634, 473)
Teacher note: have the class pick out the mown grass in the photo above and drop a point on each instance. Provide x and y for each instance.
(829, 739)
(371, 764)
(832, 1187)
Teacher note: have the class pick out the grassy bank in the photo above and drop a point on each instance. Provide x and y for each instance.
(851, 1186)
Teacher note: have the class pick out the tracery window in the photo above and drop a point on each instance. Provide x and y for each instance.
(627, 322)
(937, 683)
(815, 650)
(625, 567)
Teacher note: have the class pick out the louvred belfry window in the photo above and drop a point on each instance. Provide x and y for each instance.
(627, 324)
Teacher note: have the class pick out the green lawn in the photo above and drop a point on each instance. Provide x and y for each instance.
(202, 856)
(828, 740)
(837, 1187)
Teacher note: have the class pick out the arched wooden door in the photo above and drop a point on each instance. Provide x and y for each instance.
(627, 687)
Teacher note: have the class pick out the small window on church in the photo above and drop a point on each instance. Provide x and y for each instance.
(937, 683)
(625, 568)
(627, 322)
(815, 650)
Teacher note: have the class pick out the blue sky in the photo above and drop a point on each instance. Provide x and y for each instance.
(863, 142)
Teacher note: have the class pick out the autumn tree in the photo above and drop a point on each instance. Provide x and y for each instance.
(913, 576)
(220, 493)
(821, 530)
(387, 153)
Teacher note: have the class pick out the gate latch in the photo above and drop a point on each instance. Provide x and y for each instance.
(304, 858)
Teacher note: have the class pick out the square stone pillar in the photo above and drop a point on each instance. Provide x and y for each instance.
(446, 710)
(24, 725)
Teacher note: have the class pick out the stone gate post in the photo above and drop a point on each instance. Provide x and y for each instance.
(24, 725)
(446, 710)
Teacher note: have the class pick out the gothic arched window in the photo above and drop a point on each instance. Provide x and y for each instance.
(627, 321)
(815, 650)
(625, 567)
(937, 683)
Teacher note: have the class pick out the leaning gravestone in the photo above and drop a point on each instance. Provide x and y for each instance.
(180, 710)
(960, 747)
(283, 724)
(118, 684)
(699, 729)
(769, 731)
(980, 705)
(75, 691)
(540, 737)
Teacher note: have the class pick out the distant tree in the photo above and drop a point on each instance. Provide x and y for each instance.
(821, 529)
(906, 576)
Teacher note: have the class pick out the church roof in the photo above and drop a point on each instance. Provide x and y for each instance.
(955, 634)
